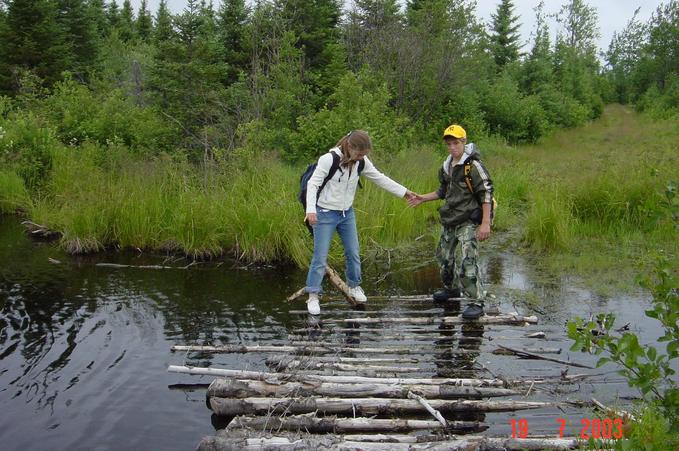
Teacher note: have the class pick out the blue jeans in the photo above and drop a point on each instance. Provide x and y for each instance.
(345, 224)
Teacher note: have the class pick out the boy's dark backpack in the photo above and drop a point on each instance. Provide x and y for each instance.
(308, 172)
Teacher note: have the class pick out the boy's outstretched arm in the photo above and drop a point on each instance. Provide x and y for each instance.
(417, 199)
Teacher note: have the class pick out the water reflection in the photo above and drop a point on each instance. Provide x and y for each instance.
(84, 349)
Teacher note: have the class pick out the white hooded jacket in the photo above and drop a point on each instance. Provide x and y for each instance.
(338, 193)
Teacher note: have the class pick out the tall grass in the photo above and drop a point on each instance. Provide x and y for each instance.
(13, 194)
(588, 196)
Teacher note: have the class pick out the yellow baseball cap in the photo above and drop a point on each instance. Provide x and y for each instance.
(455, 131)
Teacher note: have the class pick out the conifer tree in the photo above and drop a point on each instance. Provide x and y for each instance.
(505, 36)
(376, 14)
(187, 75)
(163, 30)
(77, 23)
(97, 12)
(537, 70)
(232, 17)
(314, 22)
(144, 24)
(31, 40)
(126, 22)
(113, 14)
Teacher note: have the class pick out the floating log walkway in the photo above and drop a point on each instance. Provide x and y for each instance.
(374, 380)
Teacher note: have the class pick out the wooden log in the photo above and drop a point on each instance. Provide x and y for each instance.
(387, 311)
(333, 442)
(313, 424)
(429, 408)
(264, 376)
(309, 365)
(283, 360)
(500, 319)
(454, 373)
(381, 330)
(394, 438)
(395, 337)
(504, 351)
(242, 349)
(541, 357)
(232, 388)
(421, 347)
(231, 407)
(336, 280)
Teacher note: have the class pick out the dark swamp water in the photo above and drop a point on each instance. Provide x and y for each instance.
(84, 350)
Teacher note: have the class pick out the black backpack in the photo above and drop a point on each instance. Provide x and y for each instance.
(308, 172)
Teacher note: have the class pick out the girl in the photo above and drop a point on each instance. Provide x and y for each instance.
(329, 208)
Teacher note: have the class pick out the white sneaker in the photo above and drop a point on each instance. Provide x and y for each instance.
(312, 304)
(358, 295)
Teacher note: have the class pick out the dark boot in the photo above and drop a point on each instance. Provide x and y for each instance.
(445, 294)
(473, 312)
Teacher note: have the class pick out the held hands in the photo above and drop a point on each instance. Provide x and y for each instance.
(413, 199)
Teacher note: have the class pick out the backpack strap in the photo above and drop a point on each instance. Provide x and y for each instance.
(467, 174)
(361, 166)
(333, 168)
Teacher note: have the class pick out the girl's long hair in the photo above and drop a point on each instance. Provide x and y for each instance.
(354, 140)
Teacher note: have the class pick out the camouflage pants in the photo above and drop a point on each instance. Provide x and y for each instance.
(461, 270)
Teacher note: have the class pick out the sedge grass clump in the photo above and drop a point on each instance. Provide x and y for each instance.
(13, 193)
(260, 210)
(548, 221)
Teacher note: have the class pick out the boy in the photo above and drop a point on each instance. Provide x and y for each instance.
(465, 216)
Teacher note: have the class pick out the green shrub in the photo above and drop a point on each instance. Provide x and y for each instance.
(27, 145)
(79, 115)
(359, 102)
(662, 104)
(561, 110)
(512, 115)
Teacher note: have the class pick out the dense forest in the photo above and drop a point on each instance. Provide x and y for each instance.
(144, 129)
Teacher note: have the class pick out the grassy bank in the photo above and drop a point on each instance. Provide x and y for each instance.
(589, 200)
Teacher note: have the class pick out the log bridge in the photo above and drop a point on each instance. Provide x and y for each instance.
(408, 374)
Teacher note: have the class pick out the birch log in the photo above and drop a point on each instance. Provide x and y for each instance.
(313, 424)
(338, 443)
(231, 388)
(336, 280)
(263, 376)
(242, 349)
(231, 407)
(499, 319)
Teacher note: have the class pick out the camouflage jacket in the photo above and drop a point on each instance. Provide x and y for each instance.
(460, 203)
